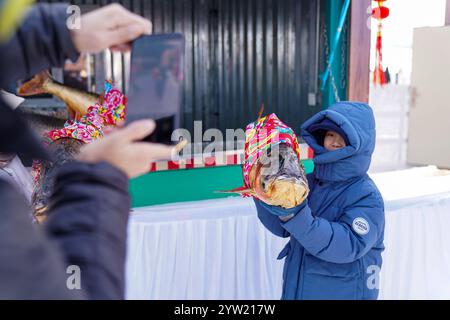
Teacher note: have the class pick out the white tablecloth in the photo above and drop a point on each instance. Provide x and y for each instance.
(218, 249)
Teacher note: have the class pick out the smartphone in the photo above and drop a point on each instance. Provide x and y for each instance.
(156, 83)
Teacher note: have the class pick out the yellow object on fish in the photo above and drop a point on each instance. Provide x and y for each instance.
(11, 14)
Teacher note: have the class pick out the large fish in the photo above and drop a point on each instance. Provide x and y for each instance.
(272, 169)
(92, 115)
(77, 101)
(64, 150)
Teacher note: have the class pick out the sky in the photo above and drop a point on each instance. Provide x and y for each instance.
(405, 15)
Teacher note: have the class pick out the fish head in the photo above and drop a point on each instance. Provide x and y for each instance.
(272, 169)
(279, 178)
(64, 150)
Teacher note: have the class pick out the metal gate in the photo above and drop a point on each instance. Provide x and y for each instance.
(239, 54)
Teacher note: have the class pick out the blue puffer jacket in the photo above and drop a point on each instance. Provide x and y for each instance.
(336, 237)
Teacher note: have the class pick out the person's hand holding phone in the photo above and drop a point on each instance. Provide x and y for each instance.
(124, 149)
(111, 26)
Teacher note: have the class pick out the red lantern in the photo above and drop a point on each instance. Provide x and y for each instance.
(380, 12)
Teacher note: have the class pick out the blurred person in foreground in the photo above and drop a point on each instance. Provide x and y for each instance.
(89, 210)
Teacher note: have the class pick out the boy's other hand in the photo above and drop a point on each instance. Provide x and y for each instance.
(282, 213)
(123, 149)
(111, 26)
(286, 218)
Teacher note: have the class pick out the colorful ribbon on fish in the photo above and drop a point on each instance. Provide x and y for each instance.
(90, 126)
(109, 111)
(265, 133)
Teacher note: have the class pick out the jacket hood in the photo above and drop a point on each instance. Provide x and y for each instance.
(357, 121)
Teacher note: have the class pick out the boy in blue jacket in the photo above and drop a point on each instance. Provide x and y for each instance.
(336, 235)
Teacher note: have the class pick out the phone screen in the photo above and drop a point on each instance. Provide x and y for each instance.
(156, 83)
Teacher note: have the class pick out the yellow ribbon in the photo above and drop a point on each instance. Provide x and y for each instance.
(11, 14)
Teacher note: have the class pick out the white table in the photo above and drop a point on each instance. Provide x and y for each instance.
(218, 249)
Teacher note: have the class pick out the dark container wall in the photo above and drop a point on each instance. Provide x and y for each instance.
(241, 53)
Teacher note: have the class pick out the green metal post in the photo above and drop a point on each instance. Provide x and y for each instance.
(339, 66)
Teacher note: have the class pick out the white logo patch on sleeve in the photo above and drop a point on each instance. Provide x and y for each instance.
(361, 226)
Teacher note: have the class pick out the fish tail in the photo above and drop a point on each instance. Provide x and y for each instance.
(36, 85)
(240, 190)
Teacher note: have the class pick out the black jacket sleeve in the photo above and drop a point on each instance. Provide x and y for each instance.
(31, 265)
(88, 218)
(41, 41)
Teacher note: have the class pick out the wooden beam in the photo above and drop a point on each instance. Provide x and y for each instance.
(447, 13)
(359, 54)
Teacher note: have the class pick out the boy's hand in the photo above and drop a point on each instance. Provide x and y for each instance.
(111, 26)
(282, 213)
(287, 218)
(123, 149)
